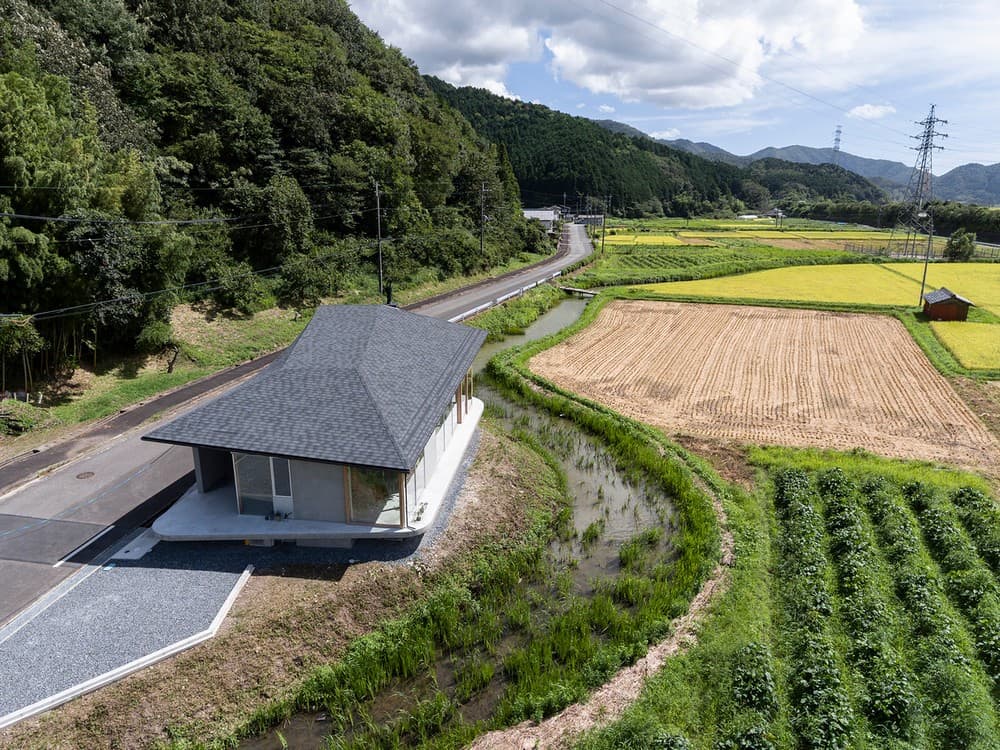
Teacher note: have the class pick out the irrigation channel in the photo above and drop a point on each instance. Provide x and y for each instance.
(615, 527)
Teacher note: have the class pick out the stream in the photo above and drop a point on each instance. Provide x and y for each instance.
(583, 559)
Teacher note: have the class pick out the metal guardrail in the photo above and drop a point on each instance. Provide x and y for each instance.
(502, 298)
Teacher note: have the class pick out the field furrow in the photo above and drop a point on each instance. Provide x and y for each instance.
(775, 376)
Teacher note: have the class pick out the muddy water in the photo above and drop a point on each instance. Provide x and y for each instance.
(607, 511)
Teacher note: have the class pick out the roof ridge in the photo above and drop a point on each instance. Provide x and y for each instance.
(381, 417)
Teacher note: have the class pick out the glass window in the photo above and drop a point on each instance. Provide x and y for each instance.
(282, 480)
(375, 497)
(253, 481)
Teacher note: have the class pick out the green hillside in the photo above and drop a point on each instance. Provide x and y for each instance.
(554, 153)
(199, 142)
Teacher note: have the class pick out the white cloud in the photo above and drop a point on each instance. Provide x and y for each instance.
(666, 135)
(688, 53)
(606, 109)
(871, 111)
(714, 55)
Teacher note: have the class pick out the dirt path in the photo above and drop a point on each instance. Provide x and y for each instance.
(609, 702)
(773, 376)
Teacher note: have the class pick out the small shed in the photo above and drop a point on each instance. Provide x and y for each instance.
(944, 304)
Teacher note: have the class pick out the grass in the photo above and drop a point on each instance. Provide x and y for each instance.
(112, 392)
(514, 316)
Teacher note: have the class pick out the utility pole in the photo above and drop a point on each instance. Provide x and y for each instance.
(917, 218)
(482, 222)
(378, 223)
(604, 222)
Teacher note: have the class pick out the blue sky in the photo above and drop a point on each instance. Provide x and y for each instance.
(741, 75)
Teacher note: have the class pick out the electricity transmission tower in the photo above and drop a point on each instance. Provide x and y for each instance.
(836, 145)
(916, 219)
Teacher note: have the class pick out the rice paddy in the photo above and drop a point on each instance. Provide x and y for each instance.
(974, 345)
(979, 282)
(856, 284)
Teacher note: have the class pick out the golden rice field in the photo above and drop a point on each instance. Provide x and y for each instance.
(805, 234)
(859, 284)
(975, 345)
(643, 239)
(979, 282)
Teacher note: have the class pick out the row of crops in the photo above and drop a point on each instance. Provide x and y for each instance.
(878, 626)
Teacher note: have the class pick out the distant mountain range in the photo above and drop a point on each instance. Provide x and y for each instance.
(969, 183)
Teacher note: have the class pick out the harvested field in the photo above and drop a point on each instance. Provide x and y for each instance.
(763, 375)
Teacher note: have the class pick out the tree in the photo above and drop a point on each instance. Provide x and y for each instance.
(18, 336)
(960, 246)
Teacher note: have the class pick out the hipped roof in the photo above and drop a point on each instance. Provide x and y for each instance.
(362, 384)
(943, 295)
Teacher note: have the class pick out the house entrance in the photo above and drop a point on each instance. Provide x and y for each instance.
(263, 484)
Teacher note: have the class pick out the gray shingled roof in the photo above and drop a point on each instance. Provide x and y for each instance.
(362, 384)
(943, 294)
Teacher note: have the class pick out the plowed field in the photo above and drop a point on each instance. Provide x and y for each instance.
(764, 375)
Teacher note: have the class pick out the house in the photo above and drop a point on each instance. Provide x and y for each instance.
(591, 220)
(355, 431)
(547, 216)
(944, 304)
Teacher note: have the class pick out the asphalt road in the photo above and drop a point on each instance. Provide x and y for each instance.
(63, 505)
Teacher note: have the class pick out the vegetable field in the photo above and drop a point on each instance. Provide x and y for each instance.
(771, 376)
(867, 616)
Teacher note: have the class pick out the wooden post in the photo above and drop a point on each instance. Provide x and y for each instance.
(402, 499)
(347, 495)
(458, 403)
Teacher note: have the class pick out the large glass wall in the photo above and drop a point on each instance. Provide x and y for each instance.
(259, 480)
(375, 497)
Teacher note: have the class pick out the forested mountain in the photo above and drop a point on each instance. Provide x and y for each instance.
(172, 143)
(554, 154)
(972, 183)
(969, 183)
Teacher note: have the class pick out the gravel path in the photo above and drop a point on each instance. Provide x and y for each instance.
(128, 609)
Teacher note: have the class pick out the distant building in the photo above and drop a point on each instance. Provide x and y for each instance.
(593, 220)
(547, 216)
(747, 217)
(944, 304)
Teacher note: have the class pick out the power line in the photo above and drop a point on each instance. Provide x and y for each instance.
(130, 222)
(918, 219)
(736, 64)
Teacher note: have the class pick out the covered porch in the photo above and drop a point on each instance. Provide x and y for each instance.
(213, 513)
